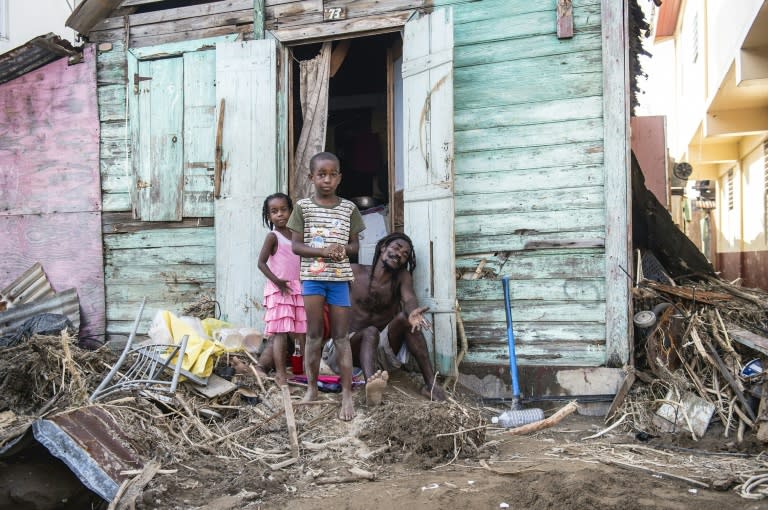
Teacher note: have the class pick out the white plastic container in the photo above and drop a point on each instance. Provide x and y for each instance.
(231, 339)
(518, 418)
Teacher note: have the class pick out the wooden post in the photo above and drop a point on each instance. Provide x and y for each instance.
(258, 19)
(290, 421)
(564, 19)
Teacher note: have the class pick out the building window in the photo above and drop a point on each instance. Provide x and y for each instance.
(4, 22)
(729, 189)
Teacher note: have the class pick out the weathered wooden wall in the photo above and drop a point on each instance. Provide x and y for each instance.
(50, 206)
(529, 180)
(171, 263)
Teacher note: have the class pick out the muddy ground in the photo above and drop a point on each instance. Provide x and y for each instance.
(554, 468)
(417, 453)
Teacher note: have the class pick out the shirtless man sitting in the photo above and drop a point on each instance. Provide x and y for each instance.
(386, 321)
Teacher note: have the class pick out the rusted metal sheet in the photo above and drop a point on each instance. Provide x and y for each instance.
(92, 445)
(50, 185)
(30, 286)
(34, 54)
(64, 303)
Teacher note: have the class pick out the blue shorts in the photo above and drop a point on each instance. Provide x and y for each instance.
(335, 293)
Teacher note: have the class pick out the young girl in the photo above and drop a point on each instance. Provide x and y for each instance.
(282, 291)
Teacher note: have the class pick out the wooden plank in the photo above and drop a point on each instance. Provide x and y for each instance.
(229, 32)
(114, 202)
(527, 114)
(532, 80)
(259, 15)
(618, 242)
(124, 222)
(428, 134)
(564, 19)
(745, 337)
(553, 354)
(537, 157)
(510, 202)
(228, 19)
(209, 9)
(494, 334)
(538, 221)
(533, 311)
(507, 137)
(540, 265)
(179, 48)
(510, 50)
(199, 136)
(111, 102)
(554, 289)
(160, 256)
(174, 273)
(178, 237)
(488, 9)
(526, 25)
(352, 27)
(517, 179)
(246, 78)
(472, 244)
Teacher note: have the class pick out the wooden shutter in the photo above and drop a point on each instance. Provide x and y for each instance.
(159, 146)
(428, 193)
(246, 83)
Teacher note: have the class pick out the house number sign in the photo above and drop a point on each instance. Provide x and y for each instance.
(334, 13)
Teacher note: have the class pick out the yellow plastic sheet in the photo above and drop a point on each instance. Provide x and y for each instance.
(201, 352)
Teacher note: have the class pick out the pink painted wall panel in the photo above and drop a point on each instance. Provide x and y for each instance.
(70, 253)
(50, 194)
(49, 140)
(649, 143)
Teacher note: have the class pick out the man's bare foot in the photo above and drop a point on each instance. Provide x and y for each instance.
(347, 408)
(375, 386)
(280, 378)
(434, 393)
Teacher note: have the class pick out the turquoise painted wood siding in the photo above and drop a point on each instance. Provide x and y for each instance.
(529, 180)
(170, 262)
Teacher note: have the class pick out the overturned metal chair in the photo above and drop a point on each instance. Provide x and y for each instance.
(149, 361)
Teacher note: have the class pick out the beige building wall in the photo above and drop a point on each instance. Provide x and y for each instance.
(22, 20)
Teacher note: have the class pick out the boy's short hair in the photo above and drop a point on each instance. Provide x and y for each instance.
(323, 156)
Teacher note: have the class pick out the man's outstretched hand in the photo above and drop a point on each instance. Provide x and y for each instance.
(417, 320)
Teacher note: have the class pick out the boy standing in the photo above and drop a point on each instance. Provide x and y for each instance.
(324, 233)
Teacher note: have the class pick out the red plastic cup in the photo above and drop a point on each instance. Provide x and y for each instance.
(297, 364)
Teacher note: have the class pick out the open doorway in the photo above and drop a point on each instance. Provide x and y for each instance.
(363, 129)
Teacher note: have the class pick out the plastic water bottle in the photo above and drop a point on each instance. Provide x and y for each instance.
(518, 418)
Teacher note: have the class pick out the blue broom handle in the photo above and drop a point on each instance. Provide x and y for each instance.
(511, 340)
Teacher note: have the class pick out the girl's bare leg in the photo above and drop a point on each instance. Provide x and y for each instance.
(278, 355)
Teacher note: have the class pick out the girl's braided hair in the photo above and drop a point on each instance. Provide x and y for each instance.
(265, 208)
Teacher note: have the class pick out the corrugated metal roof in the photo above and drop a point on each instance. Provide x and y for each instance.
(92, 445)
(63, 303)
(30, 286)
(36, 53)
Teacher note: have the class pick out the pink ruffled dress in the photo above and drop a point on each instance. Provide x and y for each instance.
(285, 312)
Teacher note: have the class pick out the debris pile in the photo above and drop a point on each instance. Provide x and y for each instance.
(247, 420)
(698, 349)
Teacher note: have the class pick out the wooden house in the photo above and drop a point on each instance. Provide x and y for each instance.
(500, 144)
